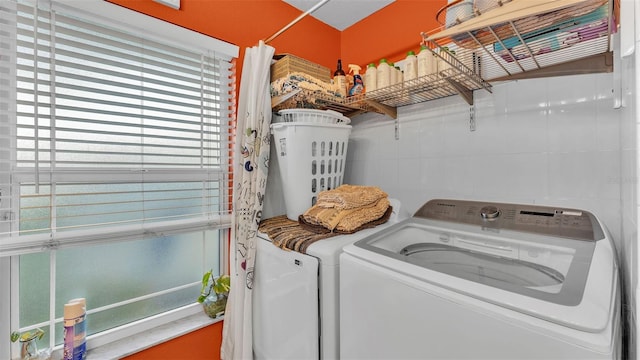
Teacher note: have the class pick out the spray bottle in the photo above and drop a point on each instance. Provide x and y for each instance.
(74, 347)
(80, 330)
(358, 84)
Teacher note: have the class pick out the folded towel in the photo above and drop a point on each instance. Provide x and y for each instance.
(345, 220)
(349, 197)
(298, 80)
(326, 217)
(361, 216)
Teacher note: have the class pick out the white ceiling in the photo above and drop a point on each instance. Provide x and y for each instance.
(341, 14)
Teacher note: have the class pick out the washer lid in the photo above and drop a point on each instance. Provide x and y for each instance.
(502, 272)
(570, 282)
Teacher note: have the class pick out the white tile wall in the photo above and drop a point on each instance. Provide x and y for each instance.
(629, 190)
(552, 141)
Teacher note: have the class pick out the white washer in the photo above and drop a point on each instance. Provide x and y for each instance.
(473, 280)
(296, 297)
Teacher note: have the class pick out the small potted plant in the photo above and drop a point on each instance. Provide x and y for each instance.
(214, 294)
(28, 345)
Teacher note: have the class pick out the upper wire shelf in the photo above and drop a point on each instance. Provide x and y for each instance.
(454, 78)
(521, 37)
(515, 39)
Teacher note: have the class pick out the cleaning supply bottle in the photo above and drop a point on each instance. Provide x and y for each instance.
(383, 74)
(411, 66)
(340, 80)
(358, 84)
(74, 347)
(371, 78)
(80, 330)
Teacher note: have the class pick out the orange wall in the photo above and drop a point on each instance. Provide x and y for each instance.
(390, 32)
(245, 22)
(200, 344)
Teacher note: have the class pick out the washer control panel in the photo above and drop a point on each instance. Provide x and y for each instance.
(543, 220)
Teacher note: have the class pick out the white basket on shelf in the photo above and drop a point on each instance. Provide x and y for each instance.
(313, 116)
(312, 152)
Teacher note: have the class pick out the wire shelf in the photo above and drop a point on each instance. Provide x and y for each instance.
(504, 46)
(516, 39)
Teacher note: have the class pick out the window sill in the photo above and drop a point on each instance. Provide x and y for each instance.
(147, 339)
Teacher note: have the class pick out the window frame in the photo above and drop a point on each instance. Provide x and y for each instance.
(153, 29)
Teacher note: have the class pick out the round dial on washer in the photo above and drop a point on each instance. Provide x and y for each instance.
(489, 212)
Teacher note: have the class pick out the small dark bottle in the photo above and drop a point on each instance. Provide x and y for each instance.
(339, 71)
(340, 80)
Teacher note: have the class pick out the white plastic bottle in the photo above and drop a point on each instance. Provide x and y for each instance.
(384, 75)
(393, 74)
(433, 63)
(371, 78)
(411, 67)
(423, 57)
(427, 62)
(399, 75)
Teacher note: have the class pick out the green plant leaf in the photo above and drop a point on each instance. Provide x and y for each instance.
(27, 335)
(205, 278)
(222, 284)
(205, 290)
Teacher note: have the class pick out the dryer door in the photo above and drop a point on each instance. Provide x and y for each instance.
(285, 304)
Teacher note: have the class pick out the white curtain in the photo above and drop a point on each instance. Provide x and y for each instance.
(251, 166)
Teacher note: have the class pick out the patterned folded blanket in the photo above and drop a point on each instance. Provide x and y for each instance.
(298, 236)
(289, 235)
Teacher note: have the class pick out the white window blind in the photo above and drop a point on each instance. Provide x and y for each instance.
(106, 135)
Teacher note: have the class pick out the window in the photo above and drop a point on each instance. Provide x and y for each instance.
(114, 163)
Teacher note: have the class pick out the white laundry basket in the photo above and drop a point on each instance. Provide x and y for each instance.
(311, 156)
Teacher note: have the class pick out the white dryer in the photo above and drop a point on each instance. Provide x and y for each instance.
(296, 297)
(474, 280)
